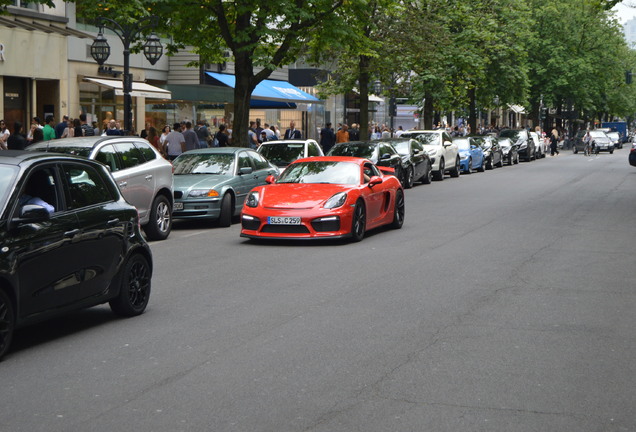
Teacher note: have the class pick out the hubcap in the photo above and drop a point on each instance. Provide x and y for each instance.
(138, 283)
(399, 208)
(6, 324)
(358, 226)
(163, 217)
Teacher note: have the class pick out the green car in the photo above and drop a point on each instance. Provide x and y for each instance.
(212, 183)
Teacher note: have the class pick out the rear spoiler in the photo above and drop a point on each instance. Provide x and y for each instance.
(386, 170)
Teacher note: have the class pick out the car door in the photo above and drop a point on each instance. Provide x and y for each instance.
(136, 178)
(418, 157)
(450, 150)
(243, 183)
(45, 252)
(102, 226)
(374, 196)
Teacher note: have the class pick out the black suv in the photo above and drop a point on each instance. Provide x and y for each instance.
(379, 152)
(525, 144)
(68, 239)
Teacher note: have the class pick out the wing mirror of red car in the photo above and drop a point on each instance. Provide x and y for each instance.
(375, 180)
(270, 179)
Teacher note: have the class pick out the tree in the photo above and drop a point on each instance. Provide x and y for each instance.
(262, 36)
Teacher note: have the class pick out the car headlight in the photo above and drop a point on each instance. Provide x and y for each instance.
(199, 193)
(252, 199)
(463, 157)
(336, 201)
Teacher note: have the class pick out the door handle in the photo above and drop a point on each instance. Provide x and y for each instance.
(113, 222)
(123, 184)
(149, 176)
(72, 233)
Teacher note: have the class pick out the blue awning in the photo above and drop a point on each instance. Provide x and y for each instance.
(270, 90)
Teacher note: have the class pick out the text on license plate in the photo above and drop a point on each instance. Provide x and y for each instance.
(178, 206)
(282, 220)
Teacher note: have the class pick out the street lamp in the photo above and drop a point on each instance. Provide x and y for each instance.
(127, 33)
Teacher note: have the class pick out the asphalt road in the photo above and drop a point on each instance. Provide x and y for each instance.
(505, 303)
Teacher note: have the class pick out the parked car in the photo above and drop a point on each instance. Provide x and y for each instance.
(600, 142)
(415, 160)
(439, 146)
(510, 151)
(632, 155)
(142, 174)
(492, 151)
(379, 152)
(541, 147)
(282, 153)
(525, 146)
(212, 183)
(471, 154)
(71, 241)
(616, 139)
(324, 197)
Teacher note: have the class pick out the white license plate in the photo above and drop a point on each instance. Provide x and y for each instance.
(280, 220)
(178, 206)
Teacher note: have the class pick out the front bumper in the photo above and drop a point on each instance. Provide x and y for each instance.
(197, 209)
(322, 224)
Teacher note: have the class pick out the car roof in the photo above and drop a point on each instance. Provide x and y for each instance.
(356, 160)
(17, 157)
(88, 142)
(218, 150)
(284, 142)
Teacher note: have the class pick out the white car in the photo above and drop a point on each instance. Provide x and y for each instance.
(283, 152)
(541, 147)
(440, 148)
(616, 139)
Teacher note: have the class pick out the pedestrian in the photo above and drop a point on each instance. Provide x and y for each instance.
(327, 138)
(399, 131)
(153, 139)
(38, 135)
(68, 130)
(144, 133)
(190, 136)
(17, 140)
(292, 132)
(61, 126)
(269, 133)
(174, 143)
(203, 134)
(4, 135)
(112, 129)
(554, 141)
(164, 133)
(343, 134)
(258, 129)
(87, 130)
(222, 137)
(252, 139)
(48, 132)
(354, 132)
(77, 128)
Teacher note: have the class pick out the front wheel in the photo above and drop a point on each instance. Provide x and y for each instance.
(481, 167)
(575, 150)
(439, 174)
(134, 290)
(7, 323)
(160, 221)
(398, 211)
(489, 164)
(455, 171)
(359, 223)
(426, 178)
(410, 178)
(225, 217)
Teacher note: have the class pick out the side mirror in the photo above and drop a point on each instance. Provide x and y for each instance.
(375, 180)
(245, 170)
(270, 179)
(385, 156)
(447, 143)
(32, 213)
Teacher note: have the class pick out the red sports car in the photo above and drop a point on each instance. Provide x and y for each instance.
(324, 197)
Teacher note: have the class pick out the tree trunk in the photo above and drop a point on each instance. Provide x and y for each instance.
(244, 85)
(472, 116)
(428, 112)
(363, 81)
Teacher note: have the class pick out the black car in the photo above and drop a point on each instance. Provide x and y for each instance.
(493, 154)
(632, 155)
(509, 150)
(415, 160)
(599, 140)
(379, 152)
(69, 241)
(525, 144)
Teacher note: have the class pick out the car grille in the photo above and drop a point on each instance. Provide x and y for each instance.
(320, 225)
(285, 229)
(252, 224)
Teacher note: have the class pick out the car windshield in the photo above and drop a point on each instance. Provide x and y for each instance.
(462, 144)
(505, 142)
(613, 135)
(355, 150)
(74, 150)
(402, 147)
(322, 172)
(7, 176)
(509, 133)
(426, 138)
(204, 163)
(282, 154)
(597, 134)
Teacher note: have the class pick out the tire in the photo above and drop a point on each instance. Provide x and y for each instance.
(134, 290)
(575, 150)
(160, 221)
(225, 217)
(359, 222)
(7, 323)
(481, 167)
(611, 152)
(426, 178)
(439, 174)
(468, 170)
(398, 210)
(455, 171)
(500, 163)
(509, 159)
(516, 162)
(409, 178)
(489, 164)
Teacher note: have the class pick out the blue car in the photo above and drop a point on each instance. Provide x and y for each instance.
(471, 155)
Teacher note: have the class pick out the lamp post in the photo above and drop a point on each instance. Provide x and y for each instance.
(128, 34)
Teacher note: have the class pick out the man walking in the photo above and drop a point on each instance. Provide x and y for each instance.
(190, 137)
(59, 128)
(292, 132)
(343, 134)
(87, 130)
(47, 131)
(327, 138)
(174, 142)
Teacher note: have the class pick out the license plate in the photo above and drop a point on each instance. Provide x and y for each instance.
(178, 206)
(281, 220)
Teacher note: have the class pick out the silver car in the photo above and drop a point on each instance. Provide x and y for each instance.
(142, 174)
